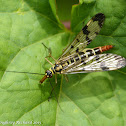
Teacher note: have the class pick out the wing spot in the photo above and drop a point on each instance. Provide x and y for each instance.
(78, 40)
(85, 31)
(117, 57)
(105, 68)
(83, 69)
(84, 63)
(76, 58)
(72, 46)
(100, 18)
(96, 33)
(72, 60)
(88, 40)
(68, 62)
(97, 57)
(81, 53)
(77, 50)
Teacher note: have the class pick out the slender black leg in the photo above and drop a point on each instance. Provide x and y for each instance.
(54, 94)
(52, 89)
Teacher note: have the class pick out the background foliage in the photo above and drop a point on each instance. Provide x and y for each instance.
(92, 99)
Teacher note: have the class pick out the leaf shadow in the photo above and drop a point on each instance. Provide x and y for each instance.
(46, 17)
(89, 85)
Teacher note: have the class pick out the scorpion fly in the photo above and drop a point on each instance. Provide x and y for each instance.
(78, 59)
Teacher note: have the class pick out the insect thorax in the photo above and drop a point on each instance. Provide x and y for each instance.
(57, 68)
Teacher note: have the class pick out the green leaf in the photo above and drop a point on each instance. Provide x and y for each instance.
(64, 9)
(92, 99)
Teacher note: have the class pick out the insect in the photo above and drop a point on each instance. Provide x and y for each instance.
(78, 59)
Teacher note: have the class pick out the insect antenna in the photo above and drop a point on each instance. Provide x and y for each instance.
(21, 72)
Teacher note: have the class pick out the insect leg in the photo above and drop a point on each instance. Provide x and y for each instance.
(54, 94)
(48, 61)
(54, 85)
(66, 77)
(56, 78)
(49, 51)
(53, 58)
(52, 90)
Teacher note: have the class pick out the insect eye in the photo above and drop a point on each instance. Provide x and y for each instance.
(49, 73)
(56, 65)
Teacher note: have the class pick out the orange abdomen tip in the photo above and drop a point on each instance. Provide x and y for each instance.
(42, 80)
(105, 48)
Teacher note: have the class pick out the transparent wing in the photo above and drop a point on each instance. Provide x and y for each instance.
(86, 35)
(101, 62)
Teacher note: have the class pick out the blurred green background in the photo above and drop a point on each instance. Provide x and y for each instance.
(64, 9)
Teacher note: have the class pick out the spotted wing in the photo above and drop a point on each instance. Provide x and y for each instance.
(101, 62)
(86, 35)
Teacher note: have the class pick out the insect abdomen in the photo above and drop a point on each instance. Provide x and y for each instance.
(107, 47)
(80, 57)
(90, 52)
(99, 50)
